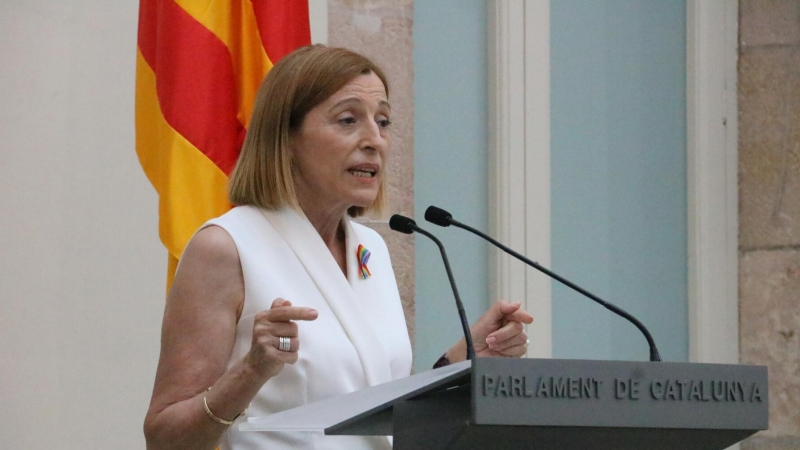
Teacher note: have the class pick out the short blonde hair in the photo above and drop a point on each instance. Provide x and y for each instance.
(296, 84)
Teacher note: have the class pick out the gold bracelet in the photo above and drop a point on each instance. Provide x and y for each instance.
(214, 416)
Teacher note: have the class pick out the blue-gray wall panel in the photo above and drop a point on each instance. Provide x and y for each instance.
(449, 164)
(619, 175)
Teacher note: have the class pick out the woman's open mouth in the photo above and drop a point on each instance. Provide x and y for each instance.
(364, 170)
(363, 173)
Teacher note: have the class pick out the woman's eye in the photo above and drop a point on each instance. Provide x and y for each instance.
(347, 120)
(384, 123)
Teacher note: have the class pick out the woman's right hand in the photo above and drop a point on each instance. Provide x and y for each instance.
(270, 325)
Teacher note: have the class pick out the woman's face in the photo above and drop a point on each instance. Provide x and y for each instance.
(339, 153)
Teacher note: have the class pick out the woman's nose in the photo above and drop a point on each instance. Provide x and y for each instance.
(373, 137)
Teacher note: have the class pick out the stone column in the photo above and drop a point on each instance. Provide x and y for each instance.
(381, 30)
(769, 213)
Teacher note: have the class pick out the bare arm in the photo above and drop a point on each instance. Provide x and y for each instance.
(197, 338)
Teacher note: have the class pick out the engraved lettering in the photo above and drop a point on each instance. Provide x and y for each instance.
(620, 388)
(516, 386)
(502, 387)
(756, 395)
(489, 384)
(657, 389)
(559, 387)
(586, 387)
(695, 395)
(544, 388)
(634, 389)
(733, 391)
(524, 386)
(694, 390)
(574, 387)
(719, 389)
(684, 394)
(706, 388)
(672, 391)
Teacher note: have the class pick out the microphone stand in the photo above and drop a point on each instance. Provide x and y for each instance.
(405, 225)
(441, 217)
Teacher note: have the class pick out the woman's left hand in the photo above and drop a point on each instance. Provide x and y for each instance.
(499, 332)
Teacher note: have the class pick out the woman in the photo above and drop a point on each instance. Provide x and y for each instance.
(286, 269)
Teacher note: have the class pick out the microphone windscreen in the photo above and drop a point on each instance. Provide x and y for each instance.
(438, 216)
(402, 224)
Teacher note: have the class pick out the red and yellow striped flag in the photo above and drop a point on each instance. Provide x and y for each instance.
(198, 66)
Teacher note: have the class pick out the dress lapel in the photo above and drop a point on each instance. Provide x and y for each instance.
(337, 290)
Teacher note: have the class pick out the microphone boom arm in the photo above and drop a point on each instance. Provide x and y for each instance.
(654, 355)
(405, 225)
(461, 313)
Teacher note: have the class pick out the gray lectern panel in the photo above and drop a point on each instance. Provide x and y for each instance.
(364, 412)
(441, 420)
(551, 392)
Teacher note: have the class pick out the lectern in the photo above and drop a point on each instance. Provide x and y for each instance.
(501, 403)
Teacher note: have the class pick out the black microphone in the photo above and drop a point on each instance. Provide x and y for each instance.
(440, 217)
(405, 225)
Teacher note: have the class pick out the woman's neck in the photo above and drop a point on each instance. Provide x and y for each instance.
(328, 223)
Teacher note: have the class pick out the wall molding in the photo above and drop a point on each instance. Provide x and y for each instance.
(712, 169)
(519, 157)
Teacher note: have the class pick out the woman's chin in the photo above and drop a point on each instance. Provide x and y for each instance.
(364, 201)
(364, 197)
(364, 205)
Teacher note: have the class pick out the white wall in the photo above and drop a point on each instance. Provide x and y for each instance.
(82, 272)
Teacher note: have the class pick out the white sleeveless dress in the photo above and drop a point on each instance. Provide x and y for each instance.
(359, 339)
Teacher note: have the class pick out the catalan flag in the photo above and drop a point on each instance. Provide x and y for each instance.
(198, 66)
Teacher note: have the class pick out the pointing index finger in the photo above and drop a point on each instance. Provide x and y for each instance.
(287, 313)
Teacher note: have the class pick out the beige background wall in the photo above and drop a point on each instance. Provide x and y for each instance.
(81, 267)
(769, 213)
